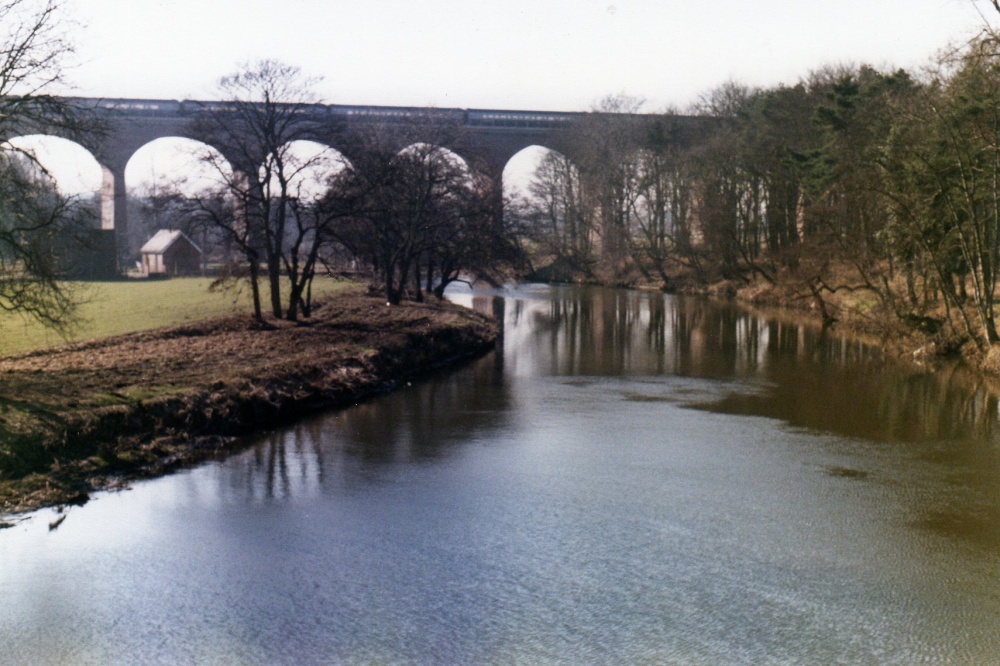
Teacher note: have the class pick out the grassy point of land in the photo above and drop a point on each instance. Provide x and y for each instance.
(85, 416)
(115, 308)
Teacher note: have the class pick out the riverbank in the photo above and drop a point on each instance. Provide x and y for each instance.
(91, 416)
(924, 335)
(924, 340)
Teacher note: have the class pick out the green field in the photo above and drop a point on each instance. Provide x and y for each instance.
(113, 308)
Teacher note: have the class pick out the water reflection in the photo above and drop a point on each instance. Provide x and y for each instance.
(607, 332)
(793, 372)
(789, 371)
(345, 449)
(807, 377)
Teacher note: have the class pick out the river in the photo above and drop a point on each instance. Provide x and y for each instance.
(629, 478)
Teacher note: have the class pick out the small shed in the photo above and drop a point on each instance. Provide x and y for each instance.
(170, 252)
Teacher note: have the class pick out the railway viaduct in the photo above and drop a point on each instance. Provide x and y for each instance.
(488, 138)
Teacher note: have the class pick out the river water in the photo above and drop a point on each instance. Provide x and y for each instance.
(629, 478)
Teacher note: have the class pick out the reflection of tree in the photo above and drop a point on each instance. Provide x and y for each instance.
(813, 380)
(286, 463)
(838, 385)
(430, 420)
(596, 331)
(496, 307)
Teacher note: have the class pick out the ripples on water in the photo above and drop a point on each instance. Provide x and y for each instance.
(630, 478)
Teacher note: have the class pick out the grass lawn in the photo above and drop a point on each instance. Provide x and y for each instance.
(113, 308)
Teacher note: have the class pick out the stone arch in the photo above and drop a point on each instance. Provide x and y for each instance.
(154, 177)
(431, 149)
(72, 168)
(312, 163)
(520, 168)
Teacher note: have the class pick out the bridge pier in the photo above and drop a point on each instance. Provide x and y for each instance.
(107, 199)
(121, 219)
(114, 215)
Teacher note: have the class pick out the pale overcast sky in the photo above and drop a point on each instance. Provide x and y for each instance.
(520, 54)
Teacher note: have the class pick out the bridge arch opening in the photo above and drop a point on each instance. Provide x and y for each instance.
(524, 168)
(163, 180)
(431, 151)
(184, 166)
(309, 166)
(71, 169)
(543, 192)
(447, 166)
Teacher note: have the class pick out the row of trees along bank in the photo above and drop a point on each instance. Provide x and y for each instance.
(882, 184)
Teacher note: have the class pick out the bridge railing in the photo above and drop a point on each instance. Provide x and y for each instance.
(483, 118)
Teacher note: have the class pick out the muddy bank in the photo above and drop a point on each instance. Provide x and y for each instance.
(91, 416)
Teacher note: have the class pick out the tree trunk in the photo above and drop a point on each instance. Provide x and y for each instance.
(274, 282)
(255, 289)
(416, 282)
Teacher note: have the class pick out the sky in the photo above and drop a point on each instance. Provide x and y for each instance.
(562, 55)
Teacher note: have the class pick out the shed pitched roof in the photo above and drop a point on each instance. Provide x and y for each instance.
(163, 239)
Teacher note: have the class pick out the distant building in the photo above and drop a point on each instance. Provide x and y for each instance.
(170, 252)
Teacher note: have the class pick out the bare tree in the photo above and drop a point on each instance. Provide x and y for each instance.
(417, 214)
(563, 226)
(40, 232)
(605, 145)
(34, 47)
(38, 227)
(476, 240)
(403, 201)
(266, 107)
(315, 209)
(661, 210)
